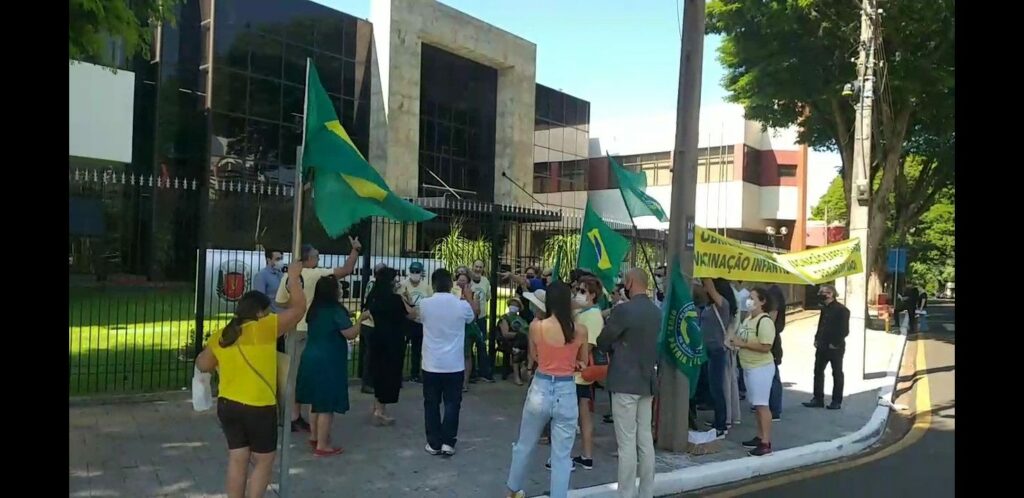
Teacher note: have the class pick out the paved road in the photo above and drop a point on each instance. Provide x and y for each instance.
(918, 463)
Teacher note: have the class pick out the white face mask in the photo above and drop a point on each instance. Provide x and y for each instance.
(513, 309)
(750, 303)
(279, 264)
(582, 300)
(415, 277)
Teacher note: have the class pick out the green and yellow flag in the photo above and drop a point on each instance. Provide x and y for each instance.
(601, 248)
(633, 187)
(346, 189)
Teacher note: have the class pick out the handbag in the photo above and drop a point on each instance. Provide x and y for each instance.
(597, 370)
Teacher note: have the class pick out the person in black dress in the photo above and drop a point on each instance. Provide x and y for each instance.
(387, 351)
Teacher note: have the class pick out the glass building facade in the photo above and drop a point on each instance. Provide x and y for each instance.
(458, 108)
(561, 142)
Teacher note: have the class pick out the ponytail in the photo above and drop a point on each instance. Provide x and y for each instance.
(247, 310)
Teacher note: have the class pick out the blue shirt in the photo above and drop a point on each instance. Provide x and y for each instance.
(267, 281)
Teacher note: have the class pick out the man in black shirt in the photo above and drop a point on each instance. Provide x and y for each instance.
(830, 344)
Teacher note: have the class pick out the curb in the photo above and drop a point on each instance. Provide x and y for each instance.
(719, 473)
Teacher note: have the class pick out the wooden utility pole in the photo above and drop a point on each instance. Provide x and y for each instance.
(674, 396)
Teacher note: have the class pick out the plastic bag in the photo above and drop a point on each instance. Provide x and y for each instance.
(202, 392)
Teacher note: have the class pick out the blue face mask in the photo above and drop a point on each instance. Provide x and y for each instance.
(513, 309)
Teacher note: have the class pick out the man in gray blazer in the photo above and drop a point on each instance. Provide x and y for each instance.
(631, 336)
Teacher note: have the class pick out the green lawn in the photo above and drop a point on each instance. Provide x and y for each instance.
(129, 340)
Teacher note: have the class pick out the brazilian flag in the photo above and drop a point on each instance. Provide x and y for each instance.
(346, 189)
(601, 248)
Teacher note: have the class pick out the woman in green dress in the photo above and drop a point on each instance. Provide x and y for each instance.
(323, 373)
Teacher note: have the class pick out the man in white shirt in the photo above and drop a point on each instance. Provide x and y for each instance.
(310, 258)
(445, 317)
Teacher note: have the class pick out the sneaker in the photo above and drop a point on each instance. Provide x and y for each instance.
(834, 406)
(719, 435)
(586, 463)
(814, 403)
(737, 422)
(447, 450)
(753, 443)
(607, 419)
(299, 425)
(519, 494)
(710, 424)
(416, 380)
(777, 418)
(488, 380)
(430, 450)
(761, 450)
(571, 469)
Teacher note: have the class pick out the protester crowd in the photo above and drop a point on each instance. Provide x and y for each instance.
(562, 339)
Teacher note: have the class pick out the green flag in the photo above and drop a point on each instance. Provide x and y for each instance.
(346, 188)
(601, 248)
(633, 187)
(556, 271)
(681, 337)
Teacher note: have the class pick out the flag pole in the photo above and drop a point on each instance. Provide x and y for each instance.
(289, 406)
(636, 233)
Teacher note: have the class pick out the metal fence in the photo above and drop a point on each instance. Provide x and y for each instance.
(156, 264)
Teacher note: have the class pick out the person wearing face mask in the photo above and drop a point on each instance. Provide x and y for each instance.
(414, 290)
(588, 314)
(481, 287)
(754, 341)
(366, 337)
(631, 336)
(830, 345)
(512, 339)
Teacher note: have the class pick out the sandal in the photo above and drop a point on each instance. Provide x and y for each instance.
(328, 452)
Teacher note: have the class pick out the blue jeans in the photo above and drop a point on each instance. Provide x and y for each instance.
(442, 388)
(549, 399)
(775, 399)
(483, 364)
(716, 384)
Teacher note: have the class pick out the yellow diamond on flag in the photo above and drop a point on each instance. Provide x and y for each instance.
(364, 188)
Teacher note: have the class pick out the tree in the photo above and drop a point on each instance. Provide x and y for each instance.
(787, 61)
(832, 205)
(932, 245)
(92, 23)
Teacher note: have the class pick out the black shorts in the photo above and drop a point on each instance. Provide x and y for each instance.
(245, 426)
(584, 392)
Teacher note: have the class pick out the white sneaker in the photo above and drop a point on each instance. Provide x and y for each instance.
(447, 450)
(432, 451)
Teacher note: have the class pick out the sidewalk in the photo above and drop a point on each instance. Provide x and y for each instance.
(163, 448)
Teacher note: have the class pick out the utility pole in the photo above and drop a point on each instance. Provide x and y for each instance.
(860, 191)
(674, 394)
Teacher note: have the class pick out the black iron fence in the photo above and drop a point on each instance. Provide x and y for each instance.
(157, 263)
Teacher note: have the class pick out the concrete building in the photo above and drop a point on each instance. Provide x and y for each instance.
(444, 105)
(749, 181)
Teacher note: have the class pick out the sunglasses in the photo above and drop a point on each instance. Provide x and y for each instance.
(416, 272)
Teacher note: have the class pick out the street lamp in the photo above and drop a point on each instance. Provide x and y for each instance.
(773, 233)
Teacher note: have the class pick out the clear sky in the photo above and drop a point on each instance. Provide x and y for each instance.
(622, 56)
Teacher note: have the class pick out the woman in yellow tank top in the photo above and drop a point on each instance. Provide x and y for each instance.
(245, 355)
